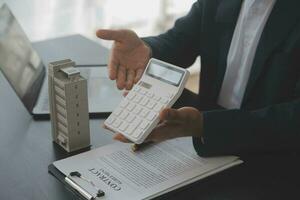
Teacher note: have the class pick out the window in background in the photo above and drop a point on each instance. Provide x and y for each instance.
(54, 18)
(47, 19)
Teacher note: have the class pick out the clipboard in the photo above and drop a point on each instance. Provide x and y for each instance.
(61, 177)
(84, 163)
(79, 192)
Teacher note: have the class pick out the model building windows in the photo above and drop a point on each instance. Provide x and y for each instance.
(69, 114)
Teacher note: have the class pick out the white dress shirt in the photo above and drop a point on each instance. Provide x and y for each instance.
(250, 25)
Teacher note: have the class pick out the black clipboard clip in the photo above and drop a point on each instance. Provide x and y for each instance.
(83, 192)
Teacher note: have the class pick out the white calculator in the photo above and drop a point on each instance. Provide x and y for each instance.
(138, 113)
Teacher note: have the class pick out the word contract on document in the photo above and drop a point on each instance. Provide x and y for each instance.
(138, 113)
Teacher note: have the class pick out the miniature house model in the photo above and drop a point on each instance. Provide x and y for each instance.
(68, 106)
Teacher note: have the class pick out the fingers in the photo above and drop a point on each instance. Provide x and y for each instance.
(107, 34)
(125, 78)
(112, 67)
(170, 114)
(121, 78)
(162, 133)
(121, 138)
(130, 79)
(125, 93)
(138, 75)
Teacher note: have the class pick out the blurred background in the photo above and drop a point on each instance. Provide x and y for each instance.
(45, 19)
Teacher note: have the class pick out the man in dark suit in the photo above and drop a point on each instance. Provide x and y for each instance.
(250, 75)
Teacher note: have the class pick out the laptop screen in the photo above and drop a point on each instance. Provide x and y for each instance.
(19, 62)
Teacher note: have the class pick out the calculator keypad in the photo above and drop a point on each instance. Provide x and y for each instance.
(137, 112)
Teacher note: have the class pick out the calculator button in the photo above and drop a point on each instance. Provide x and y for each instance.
(130, 129)
(117, 111)
(156, 97)
(133, 126)
(124, 115)
(130, 107)
(136, 122)
(150, 94)
(151, 116)
(130, 118)
(136, 88)
(124, 103)
(110, 120)
(144, 101)
(137, 133)
(137, 98)
(158, 107)
(117, 123)
(164, 100)
(151, 104)
(144, 112)
(143, 91)
(123, 126)
(137, 109)
(144, 124)
(130, 95)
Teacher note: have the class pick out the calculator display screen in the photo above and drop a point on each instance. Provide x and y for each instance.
(165, 73)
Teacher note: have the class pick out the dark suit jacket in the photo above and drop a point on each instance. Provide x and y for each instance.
(269, 119)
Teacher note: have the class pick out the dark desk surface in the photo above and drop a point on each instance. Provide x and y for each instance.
(26, 150)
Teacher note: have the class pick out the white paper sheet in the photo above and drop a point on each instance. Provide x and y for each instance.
(159, 168)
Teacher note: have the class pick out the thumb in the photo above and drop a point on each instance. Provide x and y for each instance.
(108, 34)
(171, 114)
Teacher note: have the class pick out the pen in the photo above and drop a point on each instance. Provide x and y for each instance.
(137, 147)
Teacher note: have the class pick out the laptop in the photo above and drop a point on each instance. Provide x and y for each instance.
(26, 72)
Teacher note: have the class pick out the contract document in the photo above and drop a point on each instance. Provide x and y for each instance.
(148, 173)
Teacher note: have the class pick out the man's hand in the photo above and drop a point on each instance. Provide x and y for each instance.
(186, 121)
(128, 58)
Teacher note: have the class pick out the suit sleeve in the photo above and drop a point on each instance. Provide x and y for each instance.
(238, 132)
(275, 128)
(180, 44)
